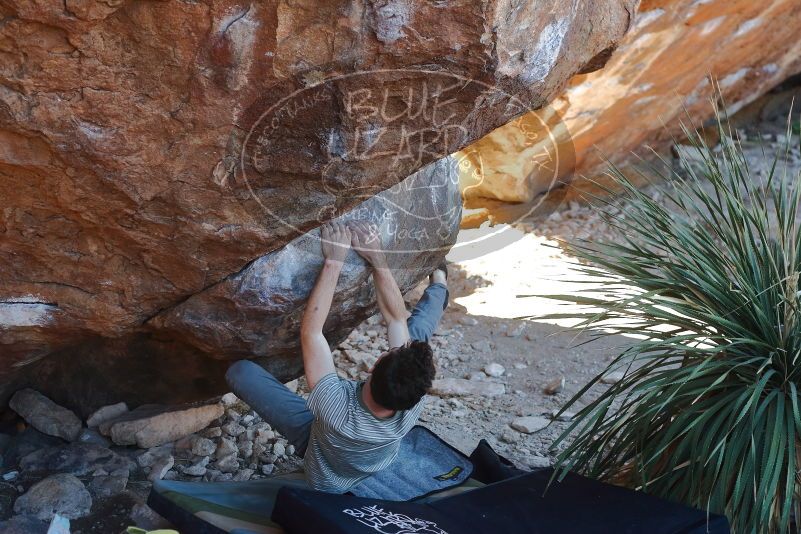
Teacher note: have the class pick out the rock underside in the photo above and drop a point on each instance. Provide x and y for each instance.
(154, 154)
(658, 76)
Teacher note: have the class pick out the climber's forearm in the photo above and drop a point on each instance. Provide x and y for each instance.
(320, 298)
(317, 359)
(390, 302)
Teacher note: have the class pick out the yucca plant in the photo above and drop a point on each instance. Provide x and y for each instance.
(706, 281)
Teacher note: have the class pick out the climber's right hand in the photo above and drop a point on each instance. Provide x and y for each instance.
(335, 241)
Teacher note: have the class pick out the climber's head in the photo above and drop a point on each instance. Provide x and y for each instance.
(403, 375)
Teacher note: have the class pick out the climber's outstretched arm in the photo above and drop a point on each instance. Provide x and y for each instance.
(367, 242)
(317, 359)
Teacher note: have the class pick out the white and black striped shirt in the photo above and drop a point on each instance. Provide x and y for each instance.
(348, 443)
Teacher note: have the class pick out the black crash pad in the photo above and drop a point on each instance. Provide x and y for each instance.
(523, 504)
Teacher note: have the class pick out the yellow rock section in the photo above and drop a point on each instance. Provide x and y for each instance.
(661, 68)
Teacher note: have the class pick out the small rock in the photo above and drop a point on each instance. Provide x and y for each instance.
(243, 475)
(197, 469)
(246, 449)
(61, 494)
(226, 447)
(228, 464)
(146, 518)
(460, 386)
(279, 449)
(537, 462)
(149, 426)
(268, 458)
(520, 365)
(529, 424)
(211, 432)
(509, 436)
(75, 458)
(45, 415)
(565, 417)
(612, 378)
(688, 153)
(106, 413)
(263, 436)
(229, 399)
(268, 469)
(258, 449)
(107, 486)
(368, 362)
(184, 444)
(152, 455)
(11, 475)
(477, 375)
(292, 385)
(468, 321)
(233, 429)
(494, 370)
(160, 468)
(554, 386)
(517, 331)
(211, 475)
(90, 435)
(203, 447)
(481, 346)
(290, 450)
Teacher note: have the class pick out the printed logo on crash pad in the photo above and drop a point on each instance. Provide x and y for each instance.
(453, 473)
(389, 522)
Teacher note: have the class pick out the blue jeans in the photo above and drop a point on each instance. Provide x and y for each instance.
(286, 411)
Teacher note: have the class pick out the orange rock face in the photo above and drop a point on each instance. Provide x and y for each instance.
(660, 69)
(149, 150)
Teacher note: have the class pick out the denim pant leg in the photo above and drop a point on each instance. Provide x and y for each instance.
(428, 312)
(274, 402)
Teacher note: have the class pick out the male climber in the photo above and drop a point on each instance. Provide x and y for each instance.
(348, 430)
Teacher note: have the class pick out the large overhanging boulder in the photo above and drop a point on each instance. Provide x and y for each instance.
(152, 151)
(658, 76)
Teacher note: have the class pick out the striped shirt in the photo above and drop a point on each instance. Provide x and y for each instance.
(348, 443)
